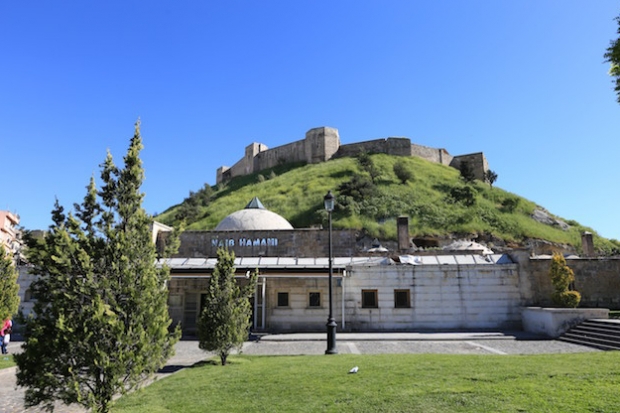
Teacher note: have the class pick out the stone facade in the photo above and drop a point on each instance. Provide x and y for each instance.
(322, 144)
(25, 279)
(269, 243)
(440, 297)
(452, 293)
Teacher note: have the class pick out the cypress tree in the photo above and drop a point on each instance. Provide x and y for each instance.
(226, 317)
(9, 289)
(100, 323)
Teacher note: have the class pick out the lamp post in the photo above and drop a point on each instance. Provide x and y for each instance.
(331, 323)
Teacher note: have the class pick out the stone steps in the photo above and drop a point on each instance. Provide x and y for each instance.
(601, 334)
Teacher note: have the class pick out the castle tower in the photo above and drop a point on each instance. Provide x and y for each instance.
(321, 144)
(251, 151)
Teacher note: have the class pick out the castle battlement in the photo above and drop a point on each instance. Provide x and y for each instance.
(322, 144)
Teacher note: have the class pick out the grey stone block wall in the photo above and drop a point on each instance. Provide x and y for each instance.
(431, 154)
(390, 146)
(301, 243)
(476, 161)
(596, 279)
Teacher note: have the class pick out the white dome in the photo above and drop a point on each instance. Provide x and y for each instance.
(253, 218)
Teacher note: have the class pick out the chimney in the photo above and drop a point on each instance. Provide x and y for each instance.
(404, 243)
(587, 245)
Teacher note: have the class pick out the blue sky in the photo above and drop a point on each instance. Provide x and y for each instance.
(524, 82)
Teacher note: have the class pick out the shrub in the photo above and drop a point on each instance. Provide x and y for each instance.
(566, 299)
(367, 164)
(463, 194)
(562, 278)
(358, 188)
(467, 172)
(510, 204)
(402, 172)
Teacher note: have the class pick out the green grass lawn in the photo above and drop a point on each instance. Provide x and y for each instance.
(585, 382)
(6, 361)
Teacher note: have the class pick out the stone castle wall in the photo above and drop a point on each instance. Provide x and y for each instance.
(390, 146)
(322, 144)
(431, 154)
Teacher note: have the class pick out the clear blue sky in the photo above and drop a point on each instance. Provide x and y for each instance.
(522, 81)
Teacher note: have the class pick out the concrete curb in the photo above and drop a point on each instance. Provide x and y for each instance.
(431, 336)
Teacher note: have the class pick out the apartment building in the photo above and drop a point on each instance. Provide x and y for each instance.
(9, 233)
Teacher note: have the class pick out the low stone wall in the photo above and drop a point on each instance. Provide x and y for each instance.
(596, 279)
(553, 322)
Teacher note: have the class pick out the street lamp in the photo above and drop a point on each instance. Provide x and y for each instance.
(331, 323)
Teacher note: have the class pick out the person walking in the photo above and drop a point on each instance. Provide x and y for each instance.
(5, 334)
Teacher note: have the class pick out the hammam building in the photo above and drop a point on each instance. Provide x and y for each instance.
(464, 287)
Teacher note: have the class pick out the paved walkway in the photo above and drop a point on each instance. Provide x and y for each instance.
(188, 353)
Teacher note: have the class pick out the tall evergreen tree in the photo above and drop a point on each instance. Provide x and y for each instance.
(100, 324)
(9, 289)
(226, 317)
(612, 55)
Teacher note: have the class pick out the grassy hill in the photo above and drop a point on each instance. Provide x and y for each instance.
(438, 201)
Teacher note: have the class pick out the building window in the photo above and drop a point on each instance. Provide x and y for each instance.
(191, 312)
(27, 295)
(402, 299)
(175, 300)
(314, 299)
(369, 299)
(282, 299)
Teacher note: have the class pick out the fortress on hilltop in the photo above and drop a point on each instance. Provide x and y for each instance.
(322, 144)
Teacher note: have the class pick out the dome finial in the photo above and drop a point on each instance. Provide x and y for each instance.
(255, 204)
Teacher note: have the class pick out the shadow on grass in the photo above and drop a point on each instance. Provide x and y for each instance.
(171, 369)
(203, 363)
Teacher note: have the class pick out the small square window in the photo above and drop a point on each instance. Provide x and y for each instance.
(369, 299)
(314, 299)
(282, 299)
(402, 299)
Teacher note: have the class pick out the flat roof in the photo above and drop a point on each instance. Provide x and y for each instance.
(338, 262)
